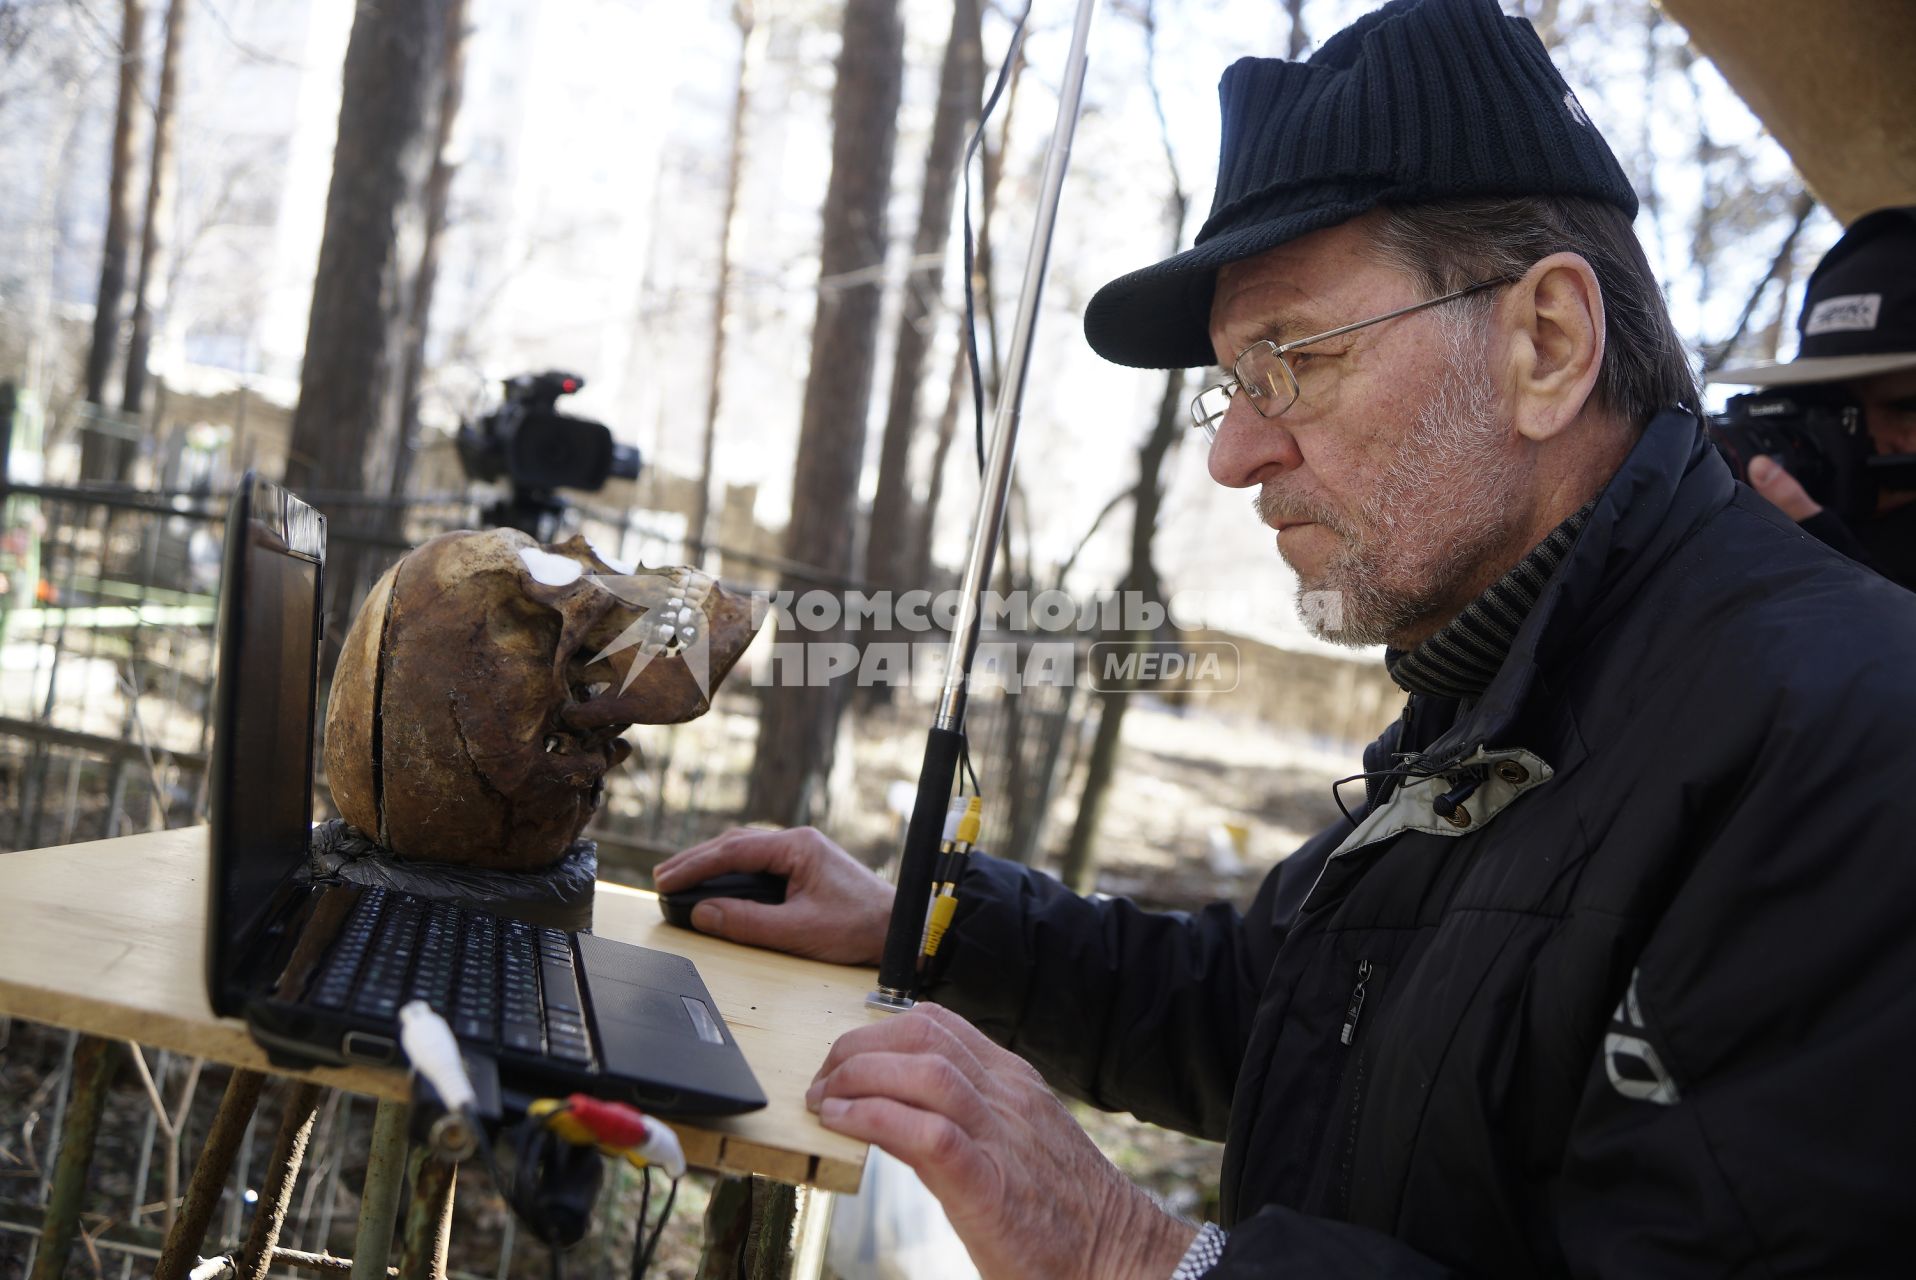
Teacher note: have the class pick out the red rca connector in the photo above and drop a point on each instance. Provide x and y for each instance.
(612, 1124)
(613, 1127)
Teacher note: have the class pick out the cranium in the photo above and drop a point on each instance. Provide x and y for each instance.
(482, 689)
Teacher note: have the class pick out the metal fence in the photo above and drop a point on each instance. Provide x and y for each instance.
(107, 654)
(108, 601)
(107, 658)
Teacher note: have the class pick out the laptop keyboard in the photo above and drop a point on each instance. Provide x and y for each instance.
(499, 983)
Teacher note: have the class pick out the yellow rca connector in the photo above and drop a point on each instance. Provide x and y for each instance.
(969, 824)
(942, 909)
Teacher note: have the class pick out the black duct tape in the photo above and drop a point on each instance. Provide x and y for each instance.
(558, 896)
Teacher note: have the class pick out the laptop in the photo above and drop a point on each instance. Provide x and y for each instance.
(319, 970)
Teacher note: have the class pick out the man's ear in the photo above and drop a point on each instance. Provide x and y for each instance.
(1554, 344)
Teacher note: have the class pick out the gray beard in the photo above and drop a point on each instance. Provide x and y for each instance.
(1436, 513)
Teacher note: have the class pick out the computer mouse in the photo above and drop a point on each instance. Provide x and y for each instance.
(752, 886)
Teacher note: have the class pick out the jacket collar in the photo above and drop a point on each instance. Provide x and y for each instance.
(1671, 482)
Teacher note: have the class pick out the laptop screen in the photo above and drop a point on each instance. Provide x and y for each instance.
(262, 784)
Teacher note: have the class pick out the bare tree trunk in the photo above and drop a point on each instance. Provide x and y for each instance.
(161, 183)
(346, 428)
(993, 164)
(887, 555)
(1140, 582)
(364, 292)
(120, 207)
(980, 283)
(957, 395)
(1300, 38)
(799, 723)
(1141, 578)
(438, 198)
(750, 42)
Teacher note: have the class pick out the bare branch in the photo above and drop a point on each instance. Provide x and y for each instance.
(1715, 355)
(1117, 499)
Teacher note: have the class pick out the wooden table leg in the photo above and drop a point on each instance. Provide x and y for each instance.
(209, 1175)
(93, 1063)
(282, 1175)
(748, 1230)
(422, 1253)
(379, 1200)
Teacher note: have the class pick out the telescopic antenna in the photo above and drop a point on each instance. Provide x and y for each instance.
(898, 969)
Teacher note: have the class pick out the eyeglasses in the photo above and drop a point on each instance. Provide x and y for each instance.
(1263, 370)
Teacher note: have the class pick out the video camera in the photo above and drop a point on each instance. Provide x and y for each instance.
(1817, 434)
(529, 443)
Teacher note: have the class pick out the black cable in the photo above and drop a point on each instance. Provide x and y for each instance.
(644, 1245)
(527, 1137)
(971, 314)
(1410, 767)
(645, 1211)
(948, 862)
(971, 307)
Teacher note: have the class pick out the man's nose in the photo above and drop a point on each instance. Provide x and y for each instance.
(1250, 448)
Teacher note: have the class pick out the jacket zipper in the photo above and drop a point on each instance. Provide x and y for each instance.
(1355, 1010)
(1359, 1068)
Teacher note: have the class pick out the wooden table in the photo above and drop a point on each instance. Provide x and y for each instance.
(108, 938)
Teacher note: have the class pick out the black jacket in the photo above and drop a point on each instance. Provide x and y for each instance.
(1652, 1012)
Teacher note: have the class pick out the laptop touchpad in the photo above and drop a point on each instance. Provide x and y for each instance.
(654, 991)
(659, 1012)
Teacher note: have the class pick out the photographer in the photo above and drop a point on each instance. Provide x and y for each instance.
(1858, 351)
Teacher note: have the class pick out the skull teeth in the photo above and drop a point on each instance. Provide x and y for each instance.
(552, 743)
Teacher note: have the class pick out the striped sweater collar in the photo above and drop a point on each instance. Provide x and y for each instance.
(1462, 658)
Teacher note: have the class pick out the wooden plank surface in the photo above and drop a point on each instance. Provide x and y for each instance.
(109, 938)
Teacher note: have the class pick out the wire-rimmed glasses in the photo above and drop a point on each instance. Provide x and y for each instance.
(1263, 370)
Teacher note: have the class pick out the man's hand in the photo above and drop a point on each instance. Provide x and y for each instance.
(835, 908)
(1768, 478)
(1022, 1184)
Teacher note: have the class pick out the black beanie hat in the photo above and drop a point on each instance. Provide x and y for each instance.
(1420, 101)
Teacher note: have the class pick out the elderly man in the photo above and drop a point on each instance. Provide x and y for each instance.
(1611, 974)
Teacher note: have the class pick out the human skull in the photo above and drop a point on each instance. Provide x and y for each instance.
(481, 692)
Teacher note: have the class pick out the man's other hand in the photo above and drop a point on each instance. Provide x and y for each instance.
(1768, 478)
(1023, 1185)
(835, 908)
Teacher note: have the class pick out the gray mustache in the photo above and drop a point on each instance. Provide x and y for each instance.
(1276, 508)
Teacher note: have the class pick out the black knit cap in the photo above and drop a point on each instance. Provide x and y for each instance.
(1422, 100)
